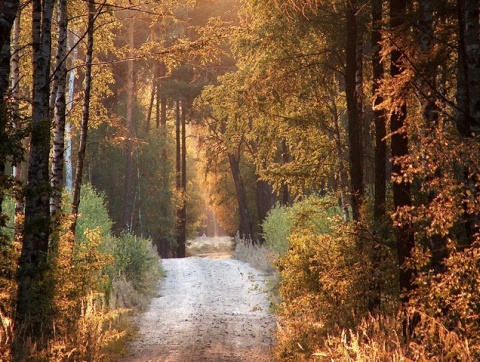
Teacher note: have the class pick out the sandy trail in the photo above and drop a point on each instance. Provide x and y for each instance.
(206, 310)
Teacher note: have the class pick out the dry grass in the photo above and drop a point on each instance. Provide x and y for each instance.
(260, 257)
(209, 245)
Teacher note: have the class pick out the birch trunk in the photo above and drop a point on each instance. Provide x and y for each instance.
(68, 126)
(60, 113)
(34, 307)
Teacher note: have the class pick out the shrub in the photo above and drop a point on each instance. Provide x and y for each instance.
(324, 279)
(276, 228)
(83, 273)
(136, 261)
(93, 214)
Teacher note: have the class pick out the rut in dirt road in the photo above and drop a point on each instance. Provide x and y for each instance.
(207, 310)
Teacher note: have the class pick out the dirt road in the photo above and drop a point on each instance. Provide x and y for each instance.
(206, 310)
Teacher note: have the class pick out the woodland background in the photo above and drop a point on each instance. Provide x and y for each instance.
(343, 135)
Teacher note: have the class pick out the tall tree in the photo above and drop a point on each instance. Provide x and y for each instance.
(34, 293)
(245, 220)
(468, 92)
(353, 96)
(379, 114)
(7, 17)
(15, 84)
(85, 111)
(60, 78)
(183, 186)
(128, 188)
(399, 147)
(68, 125)
(380, 177)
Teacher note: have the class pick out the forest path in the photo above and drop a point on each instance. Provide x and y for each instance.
(207, 309)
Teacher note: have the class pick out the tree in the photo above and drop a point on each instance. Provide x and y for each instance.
(7, 17)
(34, 293)
(92, 13)
(355, 123)
(128, 189)
(60, 79)
(399, 147)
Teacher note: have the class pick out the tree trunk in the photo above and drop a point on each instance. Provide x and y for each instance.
(342, 178)
(128, 188)
(60, 114)
(152, 102)
(468, 107)
(264, 192)
(472, 47)
(380, 177)
(355, 127)
(68, 126)
(178, 173)
(15, 84)
(34, 307)
(85, 115)
(183, 188)
(399, 146)
(265, 200)
(245, 226)
(7, 17)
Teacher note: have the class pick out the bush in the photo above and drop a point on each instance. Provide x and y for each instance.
(136, 261)
(324, 279)
(276, 228)
(93, 214)
(84, 273)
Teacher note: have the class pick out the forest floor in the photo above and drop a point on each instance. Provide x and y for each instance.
(208, 308)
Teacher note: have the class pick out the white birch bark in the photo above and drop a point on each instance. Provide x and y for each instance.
(68, 126)
(60, 79)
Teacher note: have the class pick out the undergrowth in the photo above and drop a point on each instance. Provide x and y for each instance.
(325, 279)
(99, 280)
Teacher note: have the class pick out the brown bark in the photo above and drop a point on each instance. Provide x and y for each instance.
(152, 102)
(85, 116)
(399, 147)
(7, 17)
(245, 225)
(128, 186)
(380, 177)
(15, 84)
(178, 175)
(183, 210)
(468, 96)
(353, 96)
(379, 115)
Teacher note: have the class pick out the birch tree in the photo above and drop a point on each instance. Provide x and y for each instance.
(60, 79)
(34, 294)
